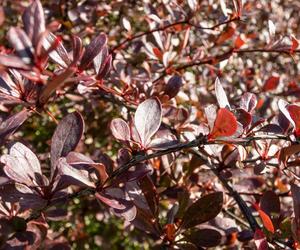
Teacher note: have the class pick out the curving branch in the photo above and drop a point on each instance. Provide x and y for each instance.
(186, 21)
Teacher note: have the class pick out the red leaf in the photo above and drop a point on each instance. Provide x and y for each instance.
(260, 240)
(157, 53)
(239, 42)
(225, 35)
(294, 112)
(170, 231)
(265, 219)
(271, 83)
(225, 124)
(295, 44)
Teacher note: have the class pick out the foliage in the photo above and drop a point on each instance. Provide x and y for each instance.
(167, 125)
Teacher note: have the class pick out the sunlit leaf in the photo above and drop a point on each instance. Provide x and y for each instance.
(225, 124)
(147, 119)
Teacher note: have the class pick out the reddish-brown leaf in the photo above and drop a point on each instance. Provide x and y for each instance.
(260, 240)
(239, 42)
(294, 111)
(295, 44)
(265, 219)
(66, 136)
(285, 153)
(225, 124)
(157, 53)
(203, 210)
(271, 83)
(229, 32)
(170, 231)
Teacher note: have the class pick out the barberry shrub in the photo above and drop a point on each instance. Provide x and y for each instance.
(149, 125)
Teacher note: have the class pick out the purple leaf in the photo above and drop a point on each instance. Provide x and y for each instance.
(147, 119)
(139, 172)
(55, 82)
(22, 44)
(92, 50)
(124, 156)
(203, 210)
(296, 201)
(66, 136)
(7, 85)
(206, 237)
(243, 116)
(74, 158)
(103, 71)
(116, 199)
(248, 101)
(282, 105)
(149, 190)
(59, 54)
(270, 203)
(56, 214)
(34, 21)
(22, 166)
(14, 62)
(77, 159)
(173, 86)
(25, 196)
(71, 175)
(77, 48)
(120, 129)
(12, 123)
(110, 201)
(271, 128)
(221, 95)
(128, 213)
(100, 59)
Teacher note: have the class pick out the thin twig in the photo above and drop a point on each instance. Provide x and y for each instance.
(186, 21)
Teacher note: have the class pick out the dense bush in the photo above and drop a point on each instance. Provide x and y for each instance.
(149, 124)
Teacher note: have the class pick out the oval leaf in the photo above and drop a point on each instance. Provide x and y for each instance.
(22, 165)
(206, 237)
(294, 112)
(34, 21)
(203, 210)
(66, 136)
(147, 119)
(221, 95)
(120, 129)
(92, 50)
(225, 124)
(271, 83)
(173, 86)
(282, 105)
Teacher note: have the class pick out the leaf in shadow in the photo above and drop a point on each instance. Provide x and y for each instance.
(25, 196)
(71, 175)
(203, 210)
(34, 21)
(206, 237)
(66, 136)
(12, 123)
